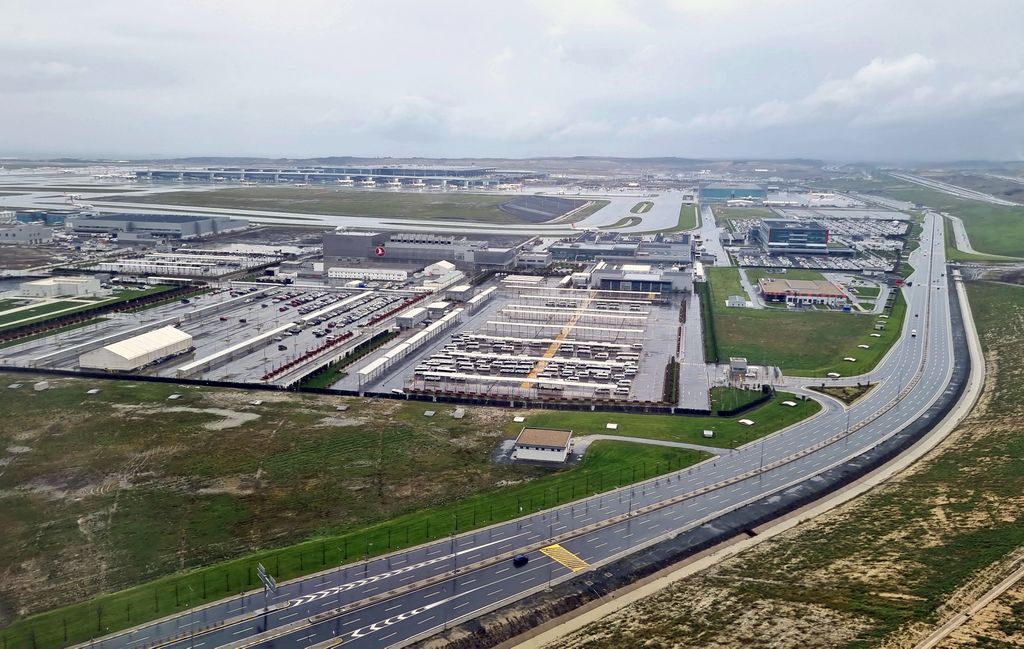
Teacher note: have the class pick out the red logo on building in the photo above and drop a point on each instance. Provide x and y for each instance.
(379, 251)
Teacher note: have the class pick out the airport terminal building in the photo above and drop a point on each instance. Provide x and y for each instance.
(412, 175)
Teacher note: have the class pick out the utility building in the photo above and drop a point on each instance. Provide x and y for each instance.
(542, 445)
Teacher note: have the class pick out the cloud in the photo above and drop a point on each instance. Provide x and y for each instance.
(565, 77)
(874, 91)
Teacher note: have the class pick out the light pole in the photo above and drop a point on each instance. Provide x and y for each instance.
(191, 627)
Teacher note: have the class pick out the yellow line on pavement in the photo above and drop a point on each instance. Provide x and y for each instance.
(566, 558)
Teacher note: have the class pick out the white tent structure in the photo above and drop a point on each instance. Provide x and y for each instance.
(138, 351)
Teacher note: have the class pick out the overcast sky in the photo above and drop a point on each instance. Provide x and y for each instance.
(841, 80)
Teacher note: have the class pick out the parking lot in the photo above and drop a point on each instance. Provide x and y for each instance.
(541, 340)
(247, 333)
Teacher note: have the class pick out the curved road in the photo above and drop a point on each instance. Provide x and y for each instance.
(390, 600)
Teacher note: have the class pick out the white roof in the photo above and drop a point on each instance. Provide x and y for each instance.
(147, 343)
(442, 264)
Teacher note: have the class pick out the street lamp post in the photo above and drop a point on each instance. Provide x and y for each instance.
(191, 626)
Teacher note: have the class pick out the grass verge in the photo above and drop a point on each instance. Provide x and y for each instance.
(771, 417)
(815, 342)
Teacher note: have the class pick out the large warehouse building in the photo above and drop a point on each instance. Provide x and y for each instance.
(722, 192)
(802, 292)
(156, 226)
(138, 351)
(58, 286)
(416, 248)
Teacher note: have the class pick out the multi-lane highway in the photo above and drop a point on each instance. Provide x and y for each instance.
(390, 600)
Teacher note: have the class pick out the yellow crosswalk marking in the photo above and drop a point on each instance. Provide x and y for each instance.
(566, 558)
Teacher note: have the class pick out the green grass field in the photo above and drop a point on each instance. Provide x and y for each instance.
(38, 312)
(768, 418)
(157, 500)
(992, 229)
(689, 218)
(642, 207)
(723, 398)
(865, 292)
(45, 312)
(450, 206)
(955, 254)
(802, 343)
(754, 274)
(624, 222)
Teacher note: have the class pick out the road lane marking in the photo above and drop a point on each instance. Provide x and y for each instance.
(565, 557)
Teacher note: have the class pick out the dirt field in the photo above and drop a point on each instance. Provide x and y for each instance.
(18, 257)
(98, 492)
(886, 568)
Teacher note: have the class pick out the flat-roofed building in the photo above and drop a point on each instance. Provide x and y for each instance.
(168, 226)
(26, 234)
(792, 237)
(423, 248)
(648, 278)
(58, 286)
(802, 291)
(372, 273)
(542, 445)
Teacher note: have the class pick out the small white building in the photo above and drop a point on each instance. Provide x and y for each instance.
(412, 317)
(460, 293)
(137, 351)
(542, 445)
(437, 309)
(736, 301)
(440, 268)
(57, 286)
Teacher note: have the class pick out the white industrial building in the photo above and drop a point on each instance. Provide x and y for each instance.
(195, 263)
(371, 274)
(138, 351)
(542, 445)
(440, 268)
(460, 293)
(58, 286)
(412, 317)
(23, 234)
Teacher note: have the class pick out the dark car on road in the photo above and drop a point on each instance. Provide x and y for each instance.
(520, 560)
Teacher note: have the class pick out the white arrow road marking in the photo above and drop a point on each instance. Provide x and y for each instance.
(334, 590)
(383, 624)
